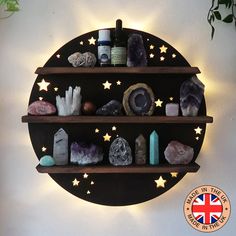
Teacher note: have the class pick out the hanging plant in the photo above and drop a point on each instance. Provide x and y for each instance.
(8, 8)
(215, 13)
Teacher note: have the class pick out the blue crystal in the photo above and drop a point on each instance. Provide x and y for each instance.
(47, 161)
(154, 148)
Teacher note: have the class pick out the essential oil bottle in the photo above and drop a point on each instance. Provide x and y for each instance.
(104, 47)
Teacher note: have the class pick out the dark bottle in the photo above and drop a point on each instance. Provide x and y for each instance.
(118, 51)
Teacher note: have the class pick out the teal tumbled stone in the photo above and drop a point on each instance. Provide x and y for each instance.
(47, 161)
(154, 148)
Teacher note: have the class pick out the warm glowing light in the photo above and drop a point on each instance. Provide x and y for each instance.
(118, 82)
(151, 46)
(88, 192)
(107, 137)
(81, 43)
(56, 89)
(97, 130)
(147, 39)
(158, 103)
(92, 183)
(40, 98)
(85, 176)
(151, 55)
(58, 55)
(44, 149)
(43, 85)
(107, 85)
(162, 58)
(92, 41)
(163, 49)
(197, 138)
(171, 98)
(75, 182)
(173, 55)
(174, 174)
(113, 128)
(198, 130)
(160, 182)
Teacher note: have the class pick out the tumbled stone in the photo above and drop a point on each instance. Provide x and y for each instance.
(47, 161)
(60, 147)
(178, 153)
(191, 95)
(41, 108)
(83, 154)
(86, 59)
(120, 152)
(139, 99)
(172, 109)
(136, 52)
(140, 150)
(112, 108)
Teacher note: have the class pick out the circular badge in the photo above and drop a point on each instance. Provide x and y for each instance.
(207, 208)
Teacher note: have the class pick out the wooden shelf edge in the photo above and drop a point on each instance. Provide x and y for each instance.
(164, 168)
(117, 119)
(118, 70)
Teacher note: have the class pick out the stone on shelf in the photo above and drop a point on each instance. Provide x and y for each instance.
(191, 95)
(47, 161)
(178, 153)
(140, 150)
(60, 147)
(154, 148)
(136, 52)
(86, 59)
(83, 154)
(88, 108)
(112, 108)
(172, 109)
(41, 108)
(120, 152)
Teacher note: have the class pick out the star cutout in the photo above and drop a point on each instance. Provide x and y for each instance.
(97, 130)
(56, 89)
(163, 49)
(197, 138)
(113, 128)
(118, 82)
(151, 55)
(151, 46)
(92, 183)
(44, 149)
(85, 176)
(174, 174)
(160, 182)
(92, 41)
(107, 137)
(81, 43)
(43, 85)
(88, 192)
(40, 98)
(107, 85)
(173, 55)
(158, 103)
(75, 182)
(198, 130)
(58, 55)
(162, 58)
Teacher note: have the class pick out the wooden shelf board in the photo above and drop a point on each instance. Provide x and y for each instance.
(118, 70)
(164, 168)
(117, 119)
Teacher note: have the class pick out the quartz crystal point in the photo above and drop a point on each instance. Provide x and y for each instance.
(140, 150)
(154, 148)
(191, 95)
(60, 147)
(120, 152)
(70, 104)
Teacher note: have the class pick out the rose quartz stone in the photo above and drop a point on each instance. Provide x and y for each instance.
(40, 108)
(178, 153)
(172, 109)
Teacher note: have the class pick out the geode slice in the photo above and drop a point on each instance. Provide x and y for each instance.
(120, 152)
(139, 99)
(178, 153)
(41, 108)
(136, 52)
(83, 154)
(112, 108)
(191, 95)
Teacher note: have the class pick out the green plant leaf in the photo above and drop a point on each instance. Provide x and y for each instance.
(228, 19)
(212, 32)
(217, 15)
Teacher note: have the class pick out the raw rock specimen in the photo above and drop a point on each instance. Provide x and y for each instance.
(140, 150)
(47, 161)
(191, 94)
(139, 99)
(88, 108)
(136, 52)
(178, 153)
(112, 108)
(84, 154)
(154, 148)
(60, 147)
(86, 59)
(70, 104)
(172, 109)
(120, 152)
(40, 108)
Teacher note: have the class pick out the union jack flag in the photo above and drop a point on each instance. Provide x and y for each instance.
(207, 208)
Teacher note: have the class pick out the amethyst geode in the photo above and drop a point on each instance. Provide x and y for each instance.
(136, 52)
(191, 95)
(83, 154)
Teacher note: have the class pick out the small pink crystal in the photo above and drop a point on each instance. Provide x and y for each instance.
(178, 153)
(40, 108)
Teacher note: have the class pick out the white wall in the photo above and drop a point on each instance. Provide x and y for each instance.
(33, 204)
